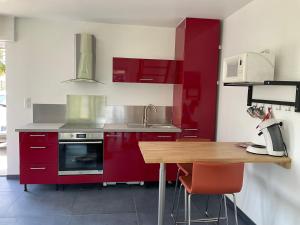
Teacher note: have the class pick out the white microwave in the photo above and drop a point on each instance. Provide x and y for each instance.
(249, 67)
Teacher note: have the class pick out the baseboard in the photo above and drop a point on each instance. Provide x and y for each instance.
(12, 177)
(240, 213)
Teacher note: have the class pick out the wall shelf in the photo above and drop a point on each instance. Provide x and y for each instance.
(244, 84)
(251, 100)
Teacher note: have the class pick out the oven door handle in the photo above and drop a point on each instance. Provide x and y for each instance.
(79, 142)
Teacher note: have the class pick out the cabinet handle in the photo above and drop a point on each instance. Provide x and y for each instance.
(38, 168)
(191, 129)
(164, 136)
(190, 136)
(37, 135)
(33, 147)
(146, 79)
(113, 135)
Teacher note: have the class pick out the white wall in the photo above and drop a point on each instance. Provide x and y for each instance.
(43, 56)
(7, 28)
(270, 194)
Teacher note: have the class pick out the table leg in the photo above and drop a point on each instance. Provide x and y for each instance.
(161, 194)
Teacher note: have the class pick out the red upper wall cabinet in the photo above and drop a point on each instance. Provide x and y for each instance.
(195, 92)
(132, 70)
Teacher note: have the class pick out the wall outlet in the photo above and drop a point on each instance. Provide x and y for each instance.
(27, 103)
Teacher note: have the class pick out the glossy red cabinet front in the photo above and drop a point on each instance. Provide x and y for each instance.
(133, 70)
(38, 157)
(195, 93)
(152, 170)
(123, 161)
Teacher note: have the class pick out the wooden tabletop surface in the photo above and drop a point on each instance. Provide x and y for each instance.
(189, 152)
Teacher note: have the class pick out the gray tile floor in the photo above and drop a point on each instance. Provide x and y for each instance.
(87, 205)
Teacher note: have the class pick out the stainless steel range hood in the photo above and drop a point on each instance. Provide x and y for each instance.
(85, 58)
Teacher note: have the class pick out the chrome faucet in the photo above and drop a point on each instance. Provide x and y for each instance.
(145, 117)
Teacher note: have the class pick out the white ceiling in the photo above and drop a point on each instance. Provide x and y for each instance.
(145, 12)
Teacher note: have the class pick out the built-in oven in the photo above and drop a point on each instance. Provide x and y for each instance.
(80, 153)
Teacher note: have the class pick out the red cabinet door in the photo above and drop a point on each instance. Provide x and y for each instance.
(123, 161)
(152, 170)
(197, 48)
(132, 70)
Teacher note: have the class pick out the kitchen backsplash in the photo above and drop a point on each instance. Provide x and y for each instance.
(49, 113)
(56, 113)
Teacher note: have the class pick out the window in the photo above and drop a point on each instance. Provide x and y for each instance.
(2, 90)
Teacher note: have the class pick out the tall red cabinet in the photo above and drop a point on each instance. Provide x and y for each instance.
(195, 92)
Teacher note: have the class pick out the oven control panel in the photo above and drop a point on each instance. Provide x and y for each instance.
(80, 136)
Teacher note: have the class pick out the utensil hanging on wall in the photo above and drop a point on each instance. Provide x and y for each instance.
(256, 112)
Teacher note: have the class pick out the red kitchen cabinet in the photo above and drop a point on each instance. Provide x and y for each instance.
(123, 161)
(195, 93)
(152, 170)
(132, 70)
(38, 157)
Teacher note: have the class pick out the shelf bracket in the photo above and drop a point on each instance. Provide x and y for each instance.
(297, 100)
(249, 98)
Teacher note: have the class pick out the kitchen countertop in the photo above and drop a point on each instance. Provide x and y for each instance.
(40, 127)
(126, 128)
(59, 127)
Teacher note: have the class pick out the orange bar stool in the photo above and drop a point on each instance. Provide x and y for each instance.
(185, 168)
(211, 179)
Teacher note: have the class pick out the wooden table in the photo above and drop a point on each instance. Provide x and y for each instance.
(189, 152)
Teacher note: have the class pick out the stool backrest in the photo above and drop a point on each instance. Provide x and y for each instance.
(217, 178)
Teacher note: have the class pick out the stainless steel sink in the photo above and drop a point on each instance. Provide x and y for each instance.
(137, 125)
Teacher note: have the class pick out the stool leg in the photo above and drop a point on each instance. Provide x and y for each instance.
(225, 209)
(189, 209)
(175, 191)
(220, 209)
(177, 204)
(235, 210)
(206, 208)
(25, 187)
(185, 205)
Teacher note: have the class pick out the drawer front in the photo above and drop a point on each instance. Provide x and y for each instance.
(38, 173)
(38, 153)
(34, 138)
(192, 133)
(159, 136)
(196, 133)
